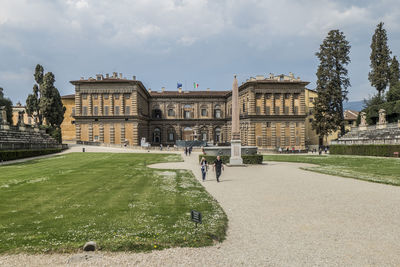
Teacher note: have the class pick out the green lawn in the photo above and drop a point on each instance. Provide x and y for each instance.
(58, 204)
(374, 169)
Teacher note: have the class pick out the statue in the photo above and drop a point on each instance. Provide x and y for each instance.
(34, 117)
(3, 116)
(382, 116)
(21, 118)
(363, 119)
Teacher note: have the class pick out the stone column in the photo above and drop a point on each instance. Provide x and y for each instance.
(262, 108)
(90, 132)
(273, 134)
(134, 103)
(302, 135)
(101, 132)
(78, 104)
(283, 136)
(292, 134)
(101, 106)
(273, 104)
(90, 105)
(112, 105)
(236, 153)
(122, 133)
(112, 134)
(122, 104)
(291, 103)
(78, 131)
(302, 108)
(135, 134)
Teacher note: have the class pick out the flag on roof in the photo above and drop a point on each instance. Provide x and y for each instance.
(195, 85)
(178, 85)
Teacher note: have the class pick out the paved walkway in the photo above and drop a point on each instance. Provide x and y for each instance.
(278, 215)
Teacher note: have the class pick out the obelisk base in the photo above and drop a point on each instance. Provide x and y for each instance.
(236, 153)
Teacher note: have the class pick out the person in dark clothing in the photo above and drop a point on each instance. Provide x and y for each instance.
(186, 150)
(204, 168)
(218, 167)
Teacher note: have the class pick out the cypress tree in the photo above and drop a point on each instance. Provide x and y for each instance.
(332, 84)
(7, 103)
(394, 81)
(32, 102)
(380, 59)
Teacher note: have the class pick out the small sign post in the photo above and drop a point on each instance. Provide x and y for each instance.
(196, 217)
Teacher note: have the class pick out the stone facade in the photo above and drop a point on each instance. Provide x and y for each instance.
(115, 110)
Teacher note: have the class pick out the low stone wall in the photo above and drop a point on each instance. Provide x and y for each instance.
(226, 151)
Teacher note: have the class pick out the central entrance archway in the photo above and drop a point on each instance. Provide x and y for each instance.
(187, 134)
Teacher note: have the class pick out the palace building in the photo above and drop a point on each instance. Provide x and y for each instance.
(116, 110)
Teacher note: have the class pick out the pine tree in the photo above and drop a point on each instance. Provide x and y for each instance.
(332, 84)
(394, 81)
(380, 59)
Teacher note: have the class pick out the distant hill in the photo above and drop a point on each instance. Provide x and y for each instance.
(354, 105)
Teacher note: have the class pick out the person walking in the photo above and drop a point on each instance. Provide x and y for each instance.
(186, 150)
(218, 167)
(204, 168)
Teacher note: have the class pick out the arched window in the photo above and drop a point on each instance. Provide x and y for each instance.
(171, 134)
(157, 135)
(187, 111)
(157, 114)
(171, 112)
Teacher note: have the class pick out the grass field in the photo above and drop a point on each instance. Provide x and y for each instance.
(58, 204)
(374, 169)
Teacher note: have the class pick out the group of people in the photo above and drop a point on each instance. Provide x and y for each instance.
(188, 150)
(218, 167)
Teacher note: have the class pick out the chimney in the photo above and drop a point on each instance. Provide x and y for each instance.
(82, 78)
(120, 75)
(180, 90)
(115, 75)
(208, 89)
(134, 77)
(107, 76)
(162, 89)
(99, 77)
(149, 90)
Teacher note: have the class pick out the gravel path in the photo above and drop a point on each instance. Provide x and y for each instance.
(278, 215)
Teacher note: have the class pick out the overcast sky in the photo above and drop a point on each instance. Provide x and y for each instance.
(168, 41)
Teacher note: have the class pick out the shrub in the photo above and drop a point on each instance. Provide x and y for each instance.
(365, 150)
(247, 159)
(19, 154)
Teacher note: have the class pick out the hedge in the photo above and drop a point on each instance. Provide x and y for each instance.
(365, 150)
(19, 154)
(247, 159)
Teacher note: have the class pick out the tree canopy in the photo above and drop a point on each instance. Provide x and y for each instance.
(332, 83)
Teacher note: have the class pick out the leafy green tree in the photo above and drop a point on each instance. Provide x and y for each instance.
(332, 84)
(8, 104)
(50, 101)
(394, 81)
(380, 59)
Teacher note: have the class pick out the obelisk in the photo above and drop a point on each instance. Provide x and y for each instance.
(236, 147)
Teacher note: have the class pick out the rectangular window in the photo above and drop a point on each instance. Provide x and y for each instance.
(311, 99)
(95, 111)
(84, 96)
(96, 138)
(267, 96)
(258, 110)
(171, 136)
(268, 124)
(187, 114)
(218, 114)
(286, 110)
(277, 110)
(204, 112)
(296, 110)
(268, 110)
(296, 96)
(116, 96)
(116, 111)
(84, 111)
(310, 120)
(105, 96)
(94, 96)
(127, 110)
(106, 110)
(127, 96)
(287, 96)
